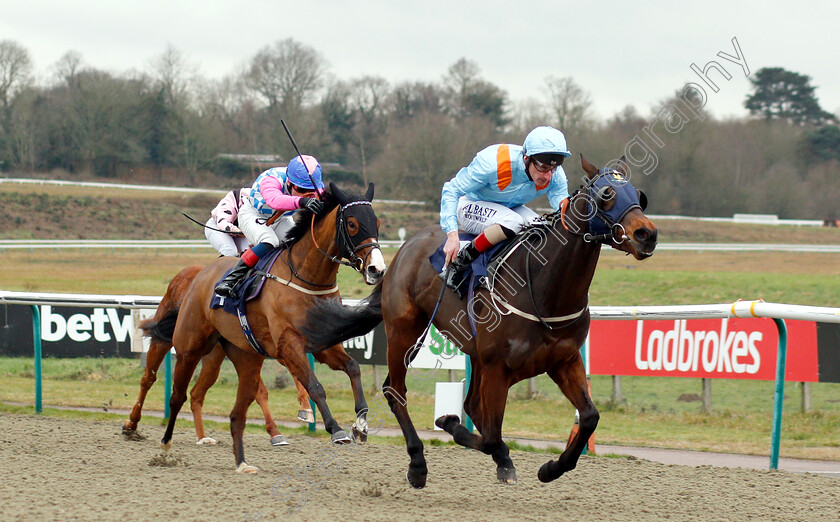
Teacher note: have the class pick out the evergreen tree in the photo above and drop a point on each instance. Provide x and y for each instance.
(785, 95)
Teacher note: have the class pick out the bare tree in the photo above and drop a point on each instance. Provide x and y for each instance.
(368, 96)
(15, 75)
(286, 74)
(570, 105)
(67, 68)
(174, 74)
(459, 82)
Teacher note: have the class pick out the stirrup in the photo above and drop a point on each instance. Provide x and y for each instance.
(226, 289)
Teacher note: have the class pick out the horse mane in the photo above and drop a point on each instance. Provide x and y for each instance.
(303, 217)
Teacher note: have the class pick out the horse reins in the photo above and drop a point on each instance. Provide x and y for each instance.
(342, 239)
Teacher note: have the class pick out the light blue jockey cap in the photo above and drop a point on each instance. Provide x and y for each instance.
(545, 140)
(296, 172)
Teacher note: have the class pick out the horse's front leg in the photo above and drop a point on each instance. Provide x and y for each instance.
(571, 378)
(248, 366)
(337, 359)
(211, 365)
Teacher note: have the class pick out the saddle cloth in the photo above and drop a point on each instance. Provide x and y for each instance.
(476, 271)
(250, 288)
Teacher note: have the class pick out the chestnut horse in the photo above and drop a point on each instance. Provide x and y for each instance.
(532, 320)
(304, 274)
(210, 366)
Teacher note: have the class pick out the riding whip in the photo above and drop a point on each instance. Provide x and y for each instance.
(317, 190)
(208, 226)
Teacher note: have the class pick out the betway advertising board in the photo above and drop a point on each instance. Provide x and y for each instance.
(68, 331)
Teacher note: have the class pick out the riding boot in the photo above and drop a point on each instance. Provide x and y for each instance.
(465, 257)
(227, 286)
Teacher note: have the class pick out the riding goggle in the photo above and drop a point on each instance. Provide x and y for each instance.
(544, 167)
(304, 192)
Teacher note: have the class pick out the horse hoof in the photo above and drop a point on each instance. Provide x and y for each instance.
(166, 446)
(129, 427)
(442, 421)
(341, 437)
(416, 480)
(279, 440)
(545, 475)
(360, 436)
(306, 416)
(506, 475)
(208, 441)
(245, 468)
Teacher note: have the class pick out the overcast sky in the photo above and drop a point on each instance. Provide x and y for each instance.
(622, 53)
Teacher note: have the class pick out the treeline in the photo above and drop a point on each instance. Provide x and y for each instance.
(409, 137)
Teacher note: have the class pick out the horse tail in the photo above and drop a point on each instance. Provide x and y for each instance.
(162, 330)
(329, 322)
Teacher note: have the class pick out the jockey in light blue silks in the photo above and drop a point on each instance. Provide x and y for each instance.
(488, 196)
(275, 190)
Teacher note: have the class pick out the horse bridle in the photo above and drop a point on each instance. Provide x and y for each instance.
(593, 201)
(345, 242)
(346, 247)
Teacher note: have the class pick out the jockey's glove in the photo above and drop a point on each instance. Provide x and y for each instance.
(233, 229)
(312, 204)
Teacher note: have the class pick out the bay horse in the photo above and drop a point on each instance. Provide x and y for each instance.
(211, 364)
(304, 274)
(531, 320)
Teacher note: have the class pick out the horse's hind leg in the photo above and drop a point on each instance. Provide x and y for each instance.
(487, 399)
(184, 369)
(337, 359)
(277, 439)
(157, 351)
(211, 364)
(248, 368)
(292, 356)
(571, 378)
(305, 413)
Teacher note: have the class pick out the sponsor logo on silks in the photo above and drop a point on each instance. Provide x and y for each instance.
(684, 350)
(81, 327)
(478, 213)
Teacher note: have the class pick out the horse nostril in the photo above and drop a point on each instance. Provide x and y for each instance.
(644, 234)
(372, 270)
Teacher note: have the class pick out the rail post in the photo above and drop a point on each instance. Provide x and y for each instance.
(36, 341)
(312, 404)
(167, 390)
(779, 396)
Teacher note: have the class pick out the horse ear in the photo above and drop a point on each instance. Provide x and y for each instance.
(369, 193)
(590, 169)
(339, 194)
(622, 167)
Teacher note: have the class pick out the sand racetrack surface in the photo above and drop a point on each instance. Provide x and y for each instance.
(62, 469)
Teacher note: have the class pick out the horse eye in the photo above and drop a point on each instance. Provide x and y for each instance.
(606, 198)
(643, 201)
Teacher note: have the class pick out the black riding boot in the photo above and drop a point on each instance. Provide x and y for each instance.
(464, 259)
(227, 286)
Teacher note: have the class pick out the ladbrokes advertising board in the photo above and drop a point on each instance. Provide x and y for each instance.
(713, 348)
